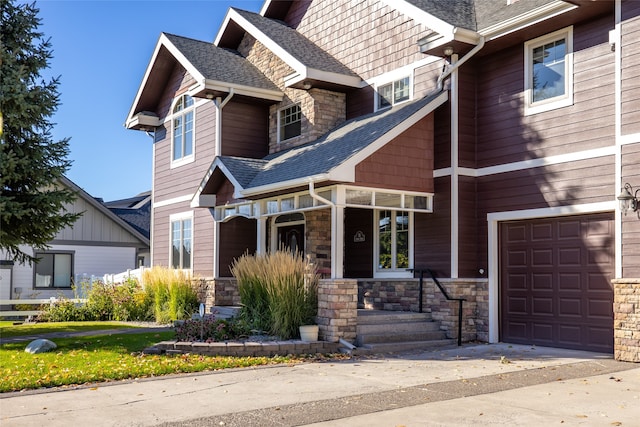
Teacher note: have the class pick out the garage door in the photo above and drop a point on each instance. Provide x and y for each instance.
(555, 284)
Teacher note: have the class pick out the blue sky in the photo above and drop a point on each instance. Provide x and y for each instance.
(101, 50)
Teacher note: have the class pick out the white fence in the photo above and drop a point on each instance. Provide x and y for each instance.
(24, 313)
(122, 277)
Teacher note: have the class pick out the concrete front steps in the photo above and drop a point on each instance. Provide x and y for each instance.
(394, 331)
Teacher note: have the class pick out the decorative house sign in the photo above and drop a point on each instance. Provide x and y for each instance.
(359, 237)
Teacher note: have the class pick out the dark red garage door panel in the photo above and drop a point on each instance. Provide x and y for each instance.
(555, 282)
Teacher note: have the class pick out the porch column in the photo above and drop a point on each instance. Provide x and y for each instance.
(337, 236)
(261, 235)
(216, 249)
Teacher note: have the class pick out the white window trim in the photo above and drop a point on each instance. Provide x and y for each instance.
(279, 136)
(392, 78)
(392, 273)
(181, 217)
(556, 102)
(274, 231)
(191, 157)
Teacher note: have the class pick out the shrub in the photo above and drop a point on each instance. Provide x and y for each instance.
(100, 301)
(173, 295)
(290, 285)
(63, 310)
(211, 329)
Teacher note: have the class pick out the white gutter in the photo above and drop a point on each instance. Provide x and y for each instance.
(450, 68)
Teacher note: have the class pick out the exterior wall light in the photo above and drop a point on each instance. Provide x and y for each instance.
(629, 199)
(448, 51)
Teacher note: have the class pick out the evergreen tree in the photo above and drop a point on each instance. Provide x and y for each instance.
(32, 201)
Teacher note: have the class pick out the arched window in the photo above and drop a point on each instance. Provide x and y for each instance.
(182, 128)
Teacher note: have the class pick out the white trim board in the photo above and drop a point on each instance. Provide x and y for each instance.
(529, 164)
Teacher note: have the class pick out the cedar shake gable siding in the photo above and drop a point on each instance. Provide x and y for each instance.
(298, 48)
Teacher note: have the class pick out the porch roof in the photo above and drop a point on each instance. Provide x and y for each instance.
(331, 158)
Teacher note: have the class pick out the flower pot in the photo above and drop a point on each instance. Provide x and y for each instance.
(309, 333)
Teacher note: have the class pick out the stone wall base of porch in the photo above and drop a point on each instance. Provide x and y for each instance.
(404, 294)
(337, 309)
(626, 319)
(220, 291)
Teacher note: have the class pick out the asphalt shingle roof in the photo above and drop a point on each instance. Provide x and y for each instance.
(326, 153)
(298, 46)
(221, 64)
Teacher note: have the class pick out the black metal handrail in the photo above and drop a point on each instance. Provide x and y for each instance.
(444, 292)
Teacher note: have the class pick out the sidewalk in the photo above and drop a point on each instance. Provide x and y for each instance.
(474, 384)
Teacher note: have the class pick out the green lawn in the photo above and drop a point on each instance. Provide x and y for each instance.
(8, 329)
(99, 358)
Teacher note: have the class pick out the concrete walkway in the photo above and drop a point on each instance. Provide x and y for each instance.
(471, 385)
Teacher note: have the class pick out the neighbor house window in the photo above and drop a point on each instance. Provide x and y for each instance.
(549, 72)
(181, 241)
(54, 269)
(289, 122)
(182, 125)
(394, 249)
(394, 92)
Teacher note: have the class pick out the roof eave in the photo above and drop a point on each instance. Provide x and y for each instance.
(261, 190)
(163, 41)
(311, 74)
(200, 200)
(532, 17)
(208, 86)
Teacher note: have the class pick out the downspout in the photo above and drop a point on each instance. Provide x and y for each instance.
(452, 70)
(336, 256)
(219, 103)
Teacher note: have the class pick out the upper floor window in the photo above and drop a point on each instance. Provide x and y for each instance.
(181, 240)
(54, 270)
(182, 129)
(394, 92)
(289, 122)
(549, 72)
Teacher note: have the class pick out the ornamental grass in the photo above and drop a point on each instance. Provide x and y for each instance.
(278, 291)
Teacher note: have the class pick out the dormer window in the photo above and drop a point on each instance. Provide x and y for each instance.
(394, 92)
(289, 122)
(182, 130)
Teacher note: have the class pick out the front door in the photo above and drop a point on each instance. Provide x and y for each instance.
(291, 238)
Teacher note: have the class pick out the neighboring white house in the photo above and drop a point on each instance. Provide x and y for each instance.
(99, 242)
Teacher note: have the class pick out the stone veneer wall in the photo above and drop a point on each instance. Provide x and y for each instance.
(318, 238)
(337, 309)
(322, 110)
(626, 319)
(222, 291)
(403, 295)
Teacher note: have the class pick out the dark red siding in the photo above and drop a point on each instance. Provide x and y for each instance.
(237, 237)
(433, 232)
(358, 252)
(245, 130)
(406, 163)
(631, 222)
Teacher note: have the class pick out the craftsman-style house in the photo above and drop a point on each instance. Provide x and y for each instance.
(484, 140)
